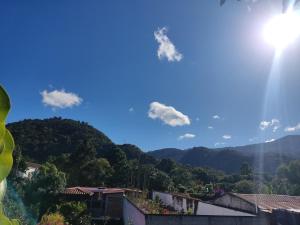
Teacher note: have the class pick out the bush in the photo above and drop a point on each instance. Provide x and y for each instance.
(52, 219)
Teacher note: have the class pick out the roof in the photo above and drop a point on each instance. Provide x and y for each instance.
(270, 202)
(91, 190)
(33, 165)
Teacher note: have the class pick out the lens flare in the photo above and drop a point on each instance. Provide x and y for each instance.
(282, 30)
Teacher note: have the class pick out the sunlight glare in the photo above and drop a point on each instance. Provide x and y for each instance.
(282, 30)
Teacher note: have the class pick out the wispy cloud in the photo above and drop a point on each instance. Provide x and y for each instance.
(218, 144)
(216, 117)
(131, 109)
(292, 129)
(166, 48)
(168, 114)
(210, 127)
(60, 99)
(186, 136)
(226, 136)
(270, 140)
(274, 124)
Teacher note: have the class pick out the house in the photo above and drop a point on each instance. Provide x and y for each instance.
(31, 168)
(101, 202)
(254, 203)
(178, 209)
(282, 209)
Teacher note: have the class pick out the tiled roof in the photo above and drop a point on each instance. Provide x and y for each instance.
(270, 202)
(33, 165)
(91, 190)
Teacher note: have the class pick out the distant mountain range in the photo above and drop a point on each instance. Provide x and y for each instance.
(41, 139)
(229, 159)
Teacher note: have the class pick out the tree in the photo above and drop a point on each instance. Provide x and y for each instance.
(244, 186)
(52, 219)
(95, 173)
(160, 181)
(42, 190)
(166, 165)
(75, 213)
(118, 161)
(245, 169)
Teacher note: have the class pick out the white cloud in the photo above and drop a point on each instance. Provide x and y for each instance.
(210, 127)
(292, 129)
(186, 136)
(270, 140)
(226, 136)
(264, 125)
(166, 48)
(216, 117)
(168, 114)
(274, 124)
(60, 99)
(131, 109)
(219, 144)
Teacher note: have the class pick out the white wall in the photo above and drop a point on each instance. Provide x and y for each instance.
(204, 209)
(234, 202)
(131, 215)
(178, 203)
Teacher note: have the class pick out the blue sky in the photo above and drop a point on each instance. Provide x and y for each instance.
(100, 62)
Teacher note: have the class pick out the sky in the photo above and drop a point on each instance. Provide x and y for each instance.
(153, 73)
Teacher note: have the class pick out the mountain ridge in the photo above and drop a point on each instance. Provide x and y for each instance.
(230, 159)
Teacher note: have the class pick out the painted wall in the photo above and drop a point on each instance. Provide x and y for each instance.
(132, 215)
(204, 220)
(178, 203)
(196, 207)
(235, 203)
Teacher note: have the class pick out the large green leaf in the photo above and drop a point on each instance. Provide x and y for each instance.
(6, 159)
(6, 148)
(4, 104)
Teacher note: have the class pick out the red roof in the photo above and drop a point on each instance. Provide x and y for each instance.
(270, 202)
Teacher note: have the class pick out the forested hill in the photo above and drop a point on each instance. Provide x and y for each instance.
(230, 159)
(40, 139)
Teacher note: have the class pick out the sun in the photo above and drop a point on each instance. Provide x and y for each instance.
(282, 30)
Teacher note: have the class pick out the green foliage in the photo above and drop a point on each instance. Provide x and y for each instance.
(287, 180)
(42, 190)
(6, 149)
(75, 213)
(246, 169)
(52, 219)
(244, 186)
(40, 139)
(95, 173)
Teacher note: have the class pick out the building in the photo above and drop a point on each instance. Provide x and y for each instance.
(281, 209)
(31, 168)
(186, 211)
(101, 202)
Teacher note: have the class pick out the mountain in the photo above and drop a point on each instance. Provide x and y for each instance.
(38, 139)
(230, 159)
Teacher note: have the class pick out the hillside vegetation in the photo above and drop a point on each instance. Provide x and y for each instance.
(230, 159)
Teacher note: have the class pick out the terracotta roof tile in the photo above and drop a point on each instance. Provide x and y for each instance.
(270, 202)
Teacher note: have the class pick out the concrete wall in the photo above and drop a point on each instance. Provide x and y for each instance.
(204, 220)
(235, 202)
(213, 210)
(131, 214)
(196, 206)
(178, 203)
